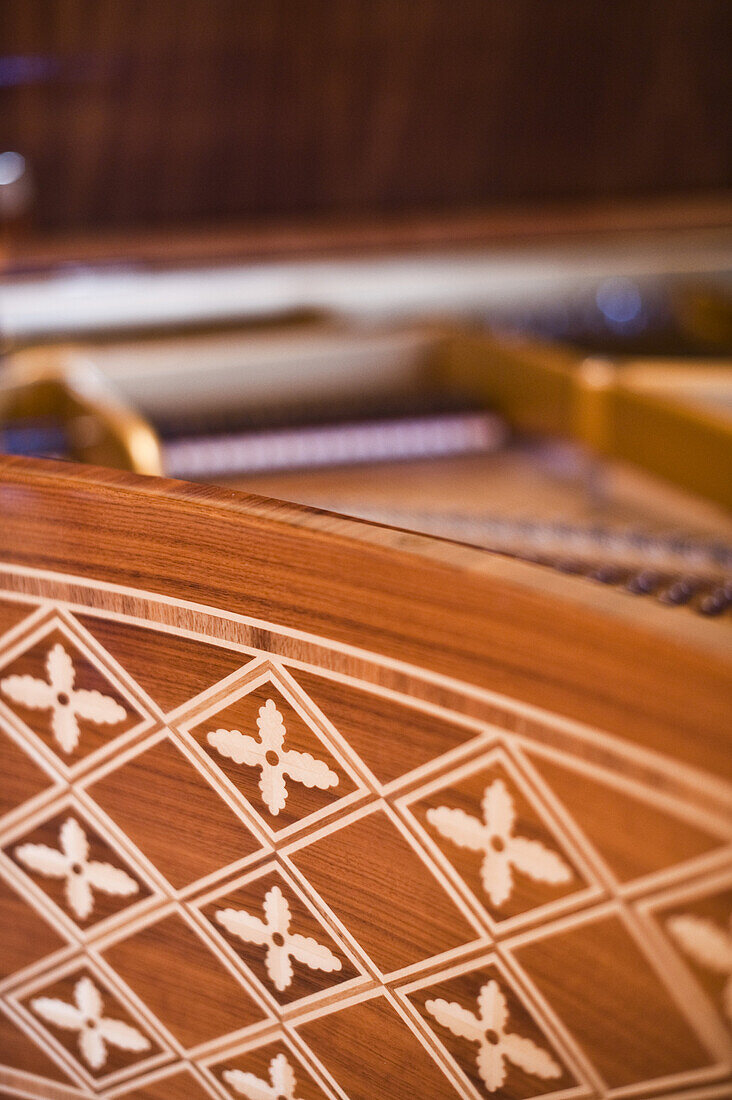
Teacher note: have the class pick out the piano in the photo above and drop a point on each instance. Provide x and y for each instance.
(365, 602)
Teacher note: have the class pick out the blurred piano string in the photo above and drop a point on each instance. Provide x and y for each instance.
(330, 382)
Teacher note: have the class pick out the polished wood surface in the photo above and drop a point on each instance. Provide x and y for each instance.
(277, 562)
(146, 114)
(700, 219)
(307, 807)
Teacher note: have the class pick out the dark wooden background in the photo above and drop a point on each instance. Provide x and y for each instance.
(142, 112)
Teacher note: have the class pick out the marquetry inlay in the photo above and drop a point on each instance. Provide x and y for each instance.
(76, 867)
(708, 945)
(482, 1023)
(228, 872)
(54, 684)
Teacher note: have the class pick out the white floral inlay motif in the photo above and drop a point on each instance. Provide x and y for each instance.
(282, 944)
(71, 862)
(502, 851)
(708, 945)
(95, 1030)
(496, 1046)
(274, 760)
(66, 703)
(281, 1086)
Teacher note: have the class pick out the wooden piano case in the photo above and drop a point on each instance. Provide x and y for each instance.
(299, 807)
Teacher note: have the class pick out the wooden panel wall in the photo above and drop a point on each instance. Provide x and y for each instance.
(139, 113)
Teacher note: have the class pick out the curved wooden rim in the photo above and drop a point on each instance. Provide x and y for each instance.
(655, 677)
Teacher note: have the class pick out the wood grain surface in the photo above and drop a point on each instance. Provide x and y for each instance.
(500, 625)
(140, 114)
(304, 807)
(556, 223)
